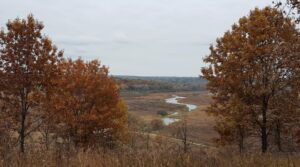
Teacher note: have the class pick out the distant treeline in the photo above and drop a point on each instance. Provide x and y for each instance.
(162, 84)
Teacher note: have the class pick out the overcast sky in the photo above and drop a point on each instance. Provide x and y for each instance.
(135, 37)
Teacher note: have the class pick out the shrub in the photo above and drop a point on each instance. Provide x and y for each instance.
(162, 113)
(157, 124)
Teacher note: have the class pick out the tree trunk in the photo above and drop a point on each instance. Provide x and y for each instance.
(264, 140)
(264, 135)
(184, 132)
(22, 132)
(278, 135)
(23, 95)
(241, 138)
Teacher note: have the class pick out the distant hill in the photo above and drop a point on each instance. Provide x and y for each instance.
(160, 84)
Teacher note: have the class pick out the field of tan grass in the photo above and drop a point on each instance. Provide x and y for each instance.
(155, 148)
(146, 107)
(199, 123)
(152, 157)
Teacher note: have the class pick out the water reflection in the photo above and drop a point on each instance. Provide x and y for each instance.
(174, 100)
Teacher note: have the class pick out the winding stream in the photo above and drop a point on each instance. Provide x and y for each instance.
(174, 100)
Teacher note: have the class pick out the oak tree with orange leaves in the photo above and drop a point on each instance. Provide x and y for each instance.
(28, 66)
(257, 61)
(92, 111)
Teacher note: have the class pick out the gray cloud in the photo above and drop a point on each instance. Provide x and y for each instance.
(136, 37)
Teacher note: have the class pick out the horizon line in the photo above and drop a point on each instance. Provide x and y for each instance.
(129, 75)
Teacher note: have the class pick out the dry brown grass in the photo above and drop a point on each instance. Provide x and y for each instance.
(140, 151)
(197, 98)
(200, 124)
(146, 106)
(154, 157)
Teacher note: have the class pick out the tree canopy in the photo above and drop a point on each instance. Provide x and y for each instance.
(40, 90)
(29, 66)
(255, 62)
(92, 109)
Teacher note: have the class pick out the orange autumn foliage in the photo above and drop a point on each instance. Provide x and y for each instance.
(29, 68)
(255, 62)
(92, 110)
(41, 92)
